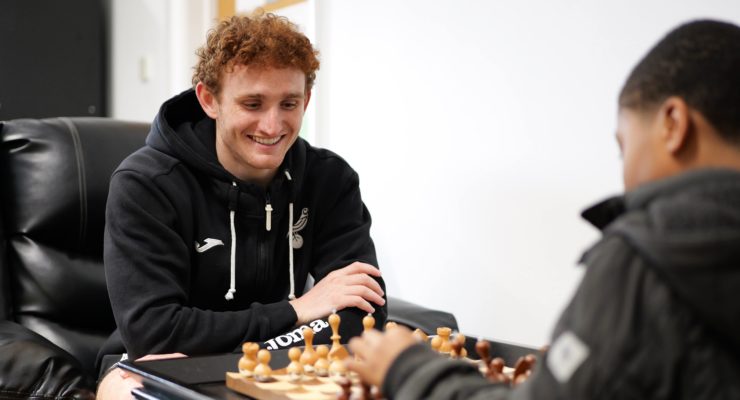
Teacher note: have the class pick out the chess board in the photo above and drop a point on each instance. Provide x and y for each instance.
(306, 375)
(280, 387)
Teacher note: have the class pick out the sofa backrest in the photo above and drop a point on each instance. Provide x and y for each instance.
(54, 184)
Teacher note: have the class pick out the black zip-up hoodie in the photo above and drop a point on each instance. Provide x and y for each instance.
(194, 261)
(657, 315)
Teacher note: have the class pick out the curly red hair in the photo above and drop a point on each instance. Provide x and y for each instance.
(265, 40)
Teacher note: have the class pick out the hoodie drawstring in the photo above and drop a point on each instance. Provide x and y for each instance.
(233, 197)
(291, 296)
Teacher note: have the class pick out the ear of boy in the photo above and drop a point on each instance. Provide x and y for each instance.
(675, 125)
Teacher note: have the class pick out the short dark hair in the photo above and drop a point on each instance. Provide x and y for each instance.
(698, 61)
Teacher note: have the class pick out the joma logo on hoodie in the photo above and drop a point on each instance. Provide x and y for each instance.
(296, 335)
(208, 244)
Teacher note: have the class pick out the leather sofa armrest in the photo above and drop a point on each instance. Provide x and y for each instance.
(33, 367)
(415, 316)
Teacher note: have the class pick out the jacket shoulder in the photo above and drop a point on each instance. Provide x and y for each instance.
(148, 162)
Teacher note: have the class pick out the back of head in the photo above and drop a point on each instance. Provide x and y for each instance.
(699, 62)
(260, 40)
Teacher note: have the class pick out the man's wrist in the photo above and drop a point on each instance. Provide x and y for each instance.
(298, 311)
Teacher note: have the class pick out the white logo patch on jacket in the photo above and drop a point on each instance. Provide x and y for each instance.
(295, 336)
(567, 353)
(208, 244)
(297, 227)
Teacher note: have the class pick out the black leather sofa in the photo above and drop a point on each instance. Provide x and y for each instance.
(54, 309)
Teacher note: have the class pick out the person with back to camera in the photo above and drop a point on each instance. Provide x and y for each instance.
(656, 315)
(213, 228)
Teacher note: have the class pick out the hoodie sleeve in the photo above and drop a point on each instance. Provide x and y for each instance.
(343, 237)
(618, 338)
(147, 265)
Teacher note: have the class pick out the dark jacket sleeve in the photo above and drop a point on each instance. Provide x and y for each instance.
(147, 266)
(343, 237)
(610, 342)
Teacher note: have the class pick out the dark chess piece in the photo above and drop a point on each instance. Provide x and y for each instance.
(346, 386)
(483, 348)
(496, 371)
(366, 391)
(458, 345)
(523, 368)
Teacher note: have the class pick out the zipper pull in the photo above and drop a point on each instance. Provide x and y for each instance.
(268, 216)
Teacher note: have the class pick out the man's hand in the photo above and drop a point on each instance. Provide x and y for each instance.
(377, 351)
(118, 384)
(351, 286)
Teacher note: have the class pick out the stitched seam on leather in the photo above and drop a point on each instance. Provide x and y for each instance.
(82, 183)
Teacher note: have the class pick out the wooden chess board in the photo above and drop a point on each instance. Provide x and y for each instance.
(280, 387)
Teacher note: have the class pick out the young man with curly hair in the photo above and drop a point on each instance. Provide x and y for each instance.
(213, 228)
(656, 315)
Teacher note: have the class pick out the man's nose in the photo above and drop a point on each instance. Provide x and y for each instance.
(271, 122)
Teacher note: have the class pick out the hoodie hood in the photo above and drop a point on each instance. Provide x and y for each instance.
(688, 228)
(183, 130)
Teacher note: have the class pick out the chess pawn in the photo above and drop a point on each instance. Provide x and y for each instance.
(295, 368)
(445, 333)
(337, 352)
(309, 356)
(496, 371)
(263, 372)
(458, 347)
(249, 360)
(337, 369)
(436, 343)
(321, 367)
(346, 385)
(523, 368)
(366, 393)
(460, 352)
(390, 325)
(420, 336)
(368, 322)
(483, 348)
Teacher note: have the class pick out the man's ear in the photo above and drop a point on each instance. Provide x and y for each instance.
(675, 123)
(207, 100)
(308, 98)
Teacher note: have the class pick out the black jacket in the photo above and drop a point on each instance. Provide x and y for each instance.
(168, 240)
(656, 316)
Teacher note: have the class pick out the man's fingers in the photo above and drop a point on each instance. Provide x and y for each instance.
(362, 304)
(364, 281)
(358, 268)
(366, 294)
(356, 345)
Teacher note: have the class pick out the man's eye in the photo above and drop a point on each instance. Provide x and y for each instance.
(290, 105)
(252, 106)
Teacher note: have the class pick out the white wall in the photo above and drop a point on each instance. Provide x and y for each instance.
(480, 129)
(153, 45)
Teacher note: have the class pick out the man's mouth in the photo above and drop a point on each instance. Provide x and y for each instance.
(266, 141)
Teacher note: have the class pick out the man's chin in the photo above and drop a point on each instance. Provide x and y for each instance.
(266, 165)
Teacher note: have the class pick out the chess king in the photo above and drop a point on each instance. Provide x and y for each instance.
(656, 315)
(214, 226)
